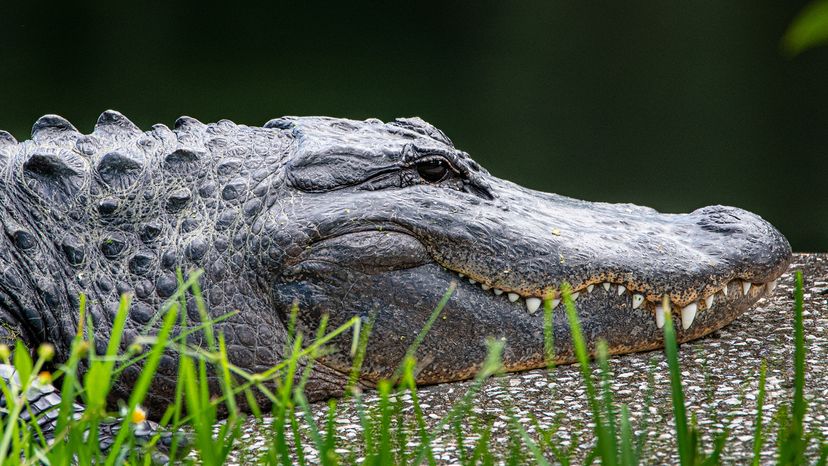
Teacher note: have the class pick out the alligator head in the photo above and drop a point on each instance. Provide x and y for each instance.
(382, 218)
(346, 218)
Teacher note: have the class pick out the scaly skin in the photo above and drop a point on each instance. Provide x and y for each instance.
(346, 218)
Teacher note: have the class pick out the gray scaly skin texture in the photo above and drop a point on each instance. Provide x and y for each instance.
(346, 218)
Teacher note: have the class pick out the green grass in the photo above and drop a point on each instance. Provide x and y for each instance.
(392, 432)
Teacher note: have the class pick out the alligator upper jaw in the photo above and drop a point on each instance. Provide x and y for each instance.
(689, 267)
(528, 244)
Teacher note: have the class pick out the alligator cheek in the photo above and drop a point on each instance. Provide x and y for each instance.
(364, 252)
(400, 303)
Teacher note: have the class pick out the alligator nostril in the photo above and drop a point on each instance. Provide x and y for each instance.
(743, 238)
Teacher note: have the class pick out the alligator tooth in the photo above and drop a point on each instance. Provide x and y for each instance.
(513, 297)
(621, 289)
(688, 313)
(472, 281)
(498, 291)
(589, 288)
(659, 316)
(555, 303)
(637, 300)
(532, 304)
(574, 296)
(724, 288)
(708, 301)
(485, 287)
(746, 287)
(606, 285)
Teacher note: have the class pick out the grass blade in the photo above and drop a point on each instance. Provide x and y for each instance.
(758, 437)
(604, 447)
(683, 434)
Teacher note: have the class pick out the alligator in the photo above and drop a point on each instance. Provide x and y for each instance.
(347, 218)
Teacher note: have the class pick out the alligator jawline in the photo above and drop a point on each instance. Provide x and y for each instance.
(689, 308)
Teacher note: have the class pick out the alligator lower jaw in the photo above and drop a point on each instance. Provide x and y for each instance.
(733, 288)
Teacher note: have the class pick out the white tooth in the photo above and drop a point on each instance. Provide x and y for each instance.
(485, 287)
(708, 301)
(746, 287)
(621, 290)
(659, 316)
(724, 288)
(589, 288)
(606, 285)
(498, 291)
(532, 304)
(575, 296)
(555, 303)
(513, 297)
(771, 286)
(687, 315)
(472, 281)
(637, 300)
(461, 275)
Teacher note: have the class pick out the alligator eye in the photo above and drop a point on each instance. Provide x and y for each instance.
(433, 171)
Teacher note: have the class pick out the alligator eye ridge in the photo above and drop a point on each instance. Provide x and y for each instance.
(432, 171)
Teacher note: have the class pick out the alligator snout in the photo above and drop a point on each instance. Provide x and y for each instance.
(528, 250)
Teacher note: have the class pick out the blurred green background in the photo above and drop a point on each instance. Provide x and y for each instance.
(675, 106)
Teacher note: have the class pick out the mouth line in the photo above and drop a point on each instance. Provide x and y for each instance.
(732, 289)
(635, 296)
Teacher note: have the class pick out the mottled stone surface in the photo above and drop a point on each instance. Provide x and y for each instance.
(720, 377)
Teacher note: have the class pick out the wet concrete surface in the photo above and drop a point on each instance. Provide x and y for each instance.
(720, 377)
